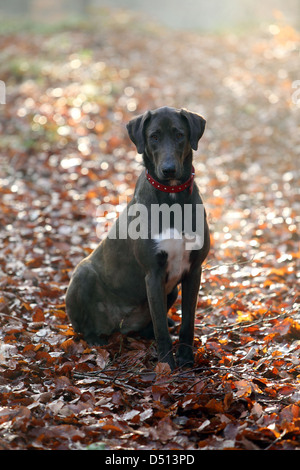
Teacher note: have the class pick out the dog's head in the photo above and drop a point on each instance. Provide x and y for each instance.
(166, 137)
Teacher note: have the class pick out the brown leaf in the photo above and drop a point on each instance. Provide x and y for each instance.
(162, 368)
(244, 388)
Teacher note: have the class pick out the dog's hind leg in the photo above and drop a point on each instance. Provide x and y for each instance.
(81, 304)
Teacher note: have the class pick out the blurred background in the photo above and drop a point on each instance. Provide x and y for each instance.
(76, 71)
(192, 14)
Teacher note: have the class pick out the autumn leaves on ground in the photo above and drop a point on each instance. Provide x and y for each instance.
(65, 152)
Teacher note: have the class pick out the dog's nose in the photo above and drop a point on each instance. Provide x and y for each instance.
(169, 171)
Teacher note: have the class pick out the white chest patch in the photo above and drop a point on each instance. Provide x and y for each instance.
(174, 244)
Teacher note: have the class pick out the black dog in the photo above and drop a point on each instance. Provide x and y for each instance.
(130, 280)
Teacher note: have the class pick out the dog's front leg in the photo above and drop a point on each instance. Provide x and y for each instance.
(158, 309)
(190, 288)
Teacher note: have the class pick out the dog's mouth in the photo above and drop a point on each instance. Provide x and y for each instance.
(172, 179)
(172, 182)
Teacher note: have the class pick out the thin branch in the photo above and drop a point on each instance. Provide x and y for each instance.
(236, 263)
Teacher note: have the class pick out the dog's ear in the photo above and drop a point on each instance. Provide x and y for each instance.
(196, 125)
(135, 129)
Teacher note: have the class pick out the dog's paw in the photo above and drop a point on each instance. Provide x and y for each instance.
(168, 358)
(185, 358)
(94, 340)
(171, 363)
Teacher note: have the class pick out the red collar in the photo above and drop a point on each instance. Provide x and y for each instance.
(172, 189)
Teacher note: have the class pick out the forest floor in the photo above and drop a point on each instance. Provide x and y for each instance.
(64, 151)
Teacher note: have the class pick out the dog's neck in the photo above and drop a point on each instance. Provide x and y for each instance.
(172, 188)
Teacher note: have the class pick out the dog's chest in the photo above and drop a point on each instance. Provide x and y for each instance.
(178, 261)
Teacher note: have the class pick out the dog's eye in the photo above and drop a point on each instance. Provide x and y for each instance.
(179, 135)
(154, 137)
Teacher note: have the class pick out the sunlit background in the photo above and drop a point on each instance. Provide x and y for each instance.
(192, 14)
(76, 71)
